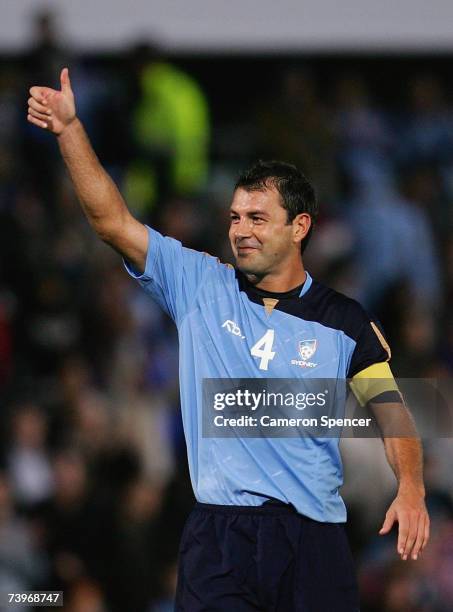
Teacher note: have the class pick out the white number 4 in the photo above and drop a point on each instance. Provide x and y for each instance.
(263, 349)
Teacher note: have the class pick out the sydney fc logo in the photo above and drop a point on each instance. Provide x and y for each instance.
(306, 348)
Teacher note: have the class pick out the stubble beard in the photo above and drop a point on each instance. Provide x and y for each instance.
(254, 275)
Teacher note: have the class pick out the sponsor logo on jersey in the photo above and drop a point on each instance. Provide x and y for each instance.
(306, 348)
(233, 328)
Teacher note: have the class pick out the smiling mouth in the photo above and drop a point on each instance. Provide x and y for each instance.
(245, 249)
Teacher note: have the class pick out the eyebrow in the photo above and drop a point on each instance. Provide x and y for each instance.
(250, 213)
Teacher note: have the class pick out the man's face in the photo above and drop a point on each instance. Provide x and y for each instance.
(261, 238)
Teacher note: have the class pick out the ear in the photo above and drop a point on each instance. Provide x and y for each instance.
(301, 226)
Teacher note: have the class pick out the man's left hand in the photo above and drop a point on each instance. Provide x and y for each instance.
(409, 509)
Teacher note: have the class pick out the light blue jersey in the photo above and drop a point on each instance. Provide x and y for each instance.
(229, 329)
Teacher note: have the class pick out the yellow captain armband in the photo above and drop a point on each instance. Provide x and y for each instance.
(375, 383)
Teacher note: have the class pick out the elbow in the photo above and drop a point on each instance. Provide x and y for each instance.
(107, 235)
(103, 232)
(107, 229)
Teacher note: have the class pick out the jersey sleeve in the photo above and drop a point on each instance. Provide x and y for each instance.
(172, 275)
(371, 378)
(371, 346)
(376, 384)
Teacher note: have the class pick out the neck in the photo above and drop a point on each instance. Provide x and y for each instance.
(279, 282)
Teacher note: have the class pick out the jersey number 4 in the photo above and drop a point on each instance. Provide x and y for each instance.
(263, 349)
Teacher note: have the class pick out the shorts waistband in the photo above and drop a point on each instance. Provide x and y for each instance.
(269, 507)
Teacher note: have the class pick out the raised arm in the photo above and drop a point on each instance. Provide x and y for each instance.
(99, 197)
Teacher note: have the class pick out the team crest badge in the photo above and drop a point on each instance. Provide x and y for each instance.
(307, 348)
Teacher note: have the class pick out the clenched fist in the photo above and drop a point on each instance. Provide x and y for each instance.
(51, 109)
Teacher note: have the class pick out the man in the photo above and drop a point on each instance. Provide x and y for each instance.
(267, 532)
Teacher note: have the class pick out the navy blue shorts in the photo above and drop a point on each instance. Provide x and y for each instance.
(267, 558)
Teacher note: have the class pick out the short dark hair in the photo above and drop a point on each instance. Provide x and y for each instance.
(296, 192)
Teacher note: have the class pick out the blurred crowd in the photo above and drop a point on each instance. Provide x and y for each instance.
(94, 488)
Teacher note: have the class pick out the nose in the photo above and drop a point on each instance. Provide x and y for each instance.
(242, 229)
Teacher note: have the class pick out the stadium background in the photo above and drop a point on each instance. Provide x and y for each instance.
(93, 482)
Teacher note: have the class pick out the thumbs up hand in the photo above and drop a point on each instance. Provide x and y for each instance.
(52, 109)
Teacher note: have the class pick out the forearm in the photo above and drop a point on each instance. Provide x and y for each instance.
(98, 195)
(402, 443)
(405, 456)
(408, 508)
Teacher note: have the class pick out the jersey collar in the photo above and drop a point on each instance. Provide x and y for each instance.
(306, 286)
(250, 289)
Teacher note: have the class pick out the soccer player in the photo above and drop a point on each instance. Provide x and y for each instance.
(267, 532)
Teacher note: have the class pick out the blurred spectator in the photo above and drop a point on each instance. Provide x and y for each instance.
(22, 566)
(28, 460)
(171, 131)
(364, 136)
(427, 133)
(10, 119)
(73, 523)
(54, 326)
(294, 125)
(6, 339)
(47, 54)
(43, 63)
(395, 586)
(134, 564)
(85, 596)
(395, 243)
(166, 602)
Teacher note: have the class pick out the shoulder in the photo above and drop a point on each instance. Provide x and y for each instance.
(336, 310)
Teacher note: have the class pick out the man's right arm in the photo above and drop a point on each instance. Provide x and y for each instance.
(98, 195)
